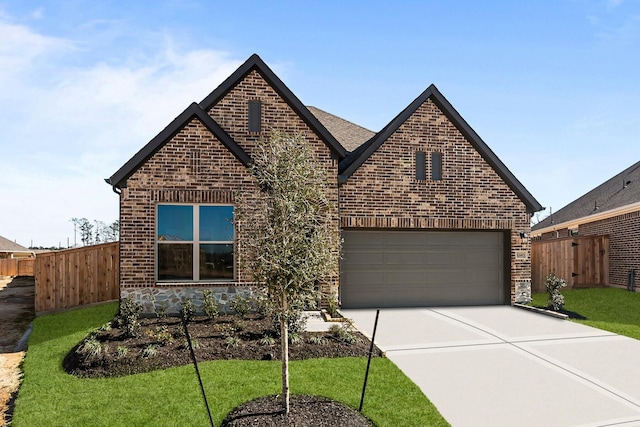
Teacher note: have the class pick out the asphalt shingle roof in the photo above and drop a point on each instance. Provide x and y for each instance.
(349, 135)
(621, 190)
(7, 245)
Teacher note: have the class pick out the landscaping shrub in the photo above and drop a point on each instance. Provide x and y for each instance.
(128, 317)
(556, 299)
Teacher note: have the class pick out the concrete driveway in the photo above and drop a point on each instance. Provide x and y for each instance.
(505, 366)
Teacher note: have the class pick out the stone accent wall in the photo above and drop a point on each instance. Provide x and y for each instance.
(171, 298)
(195, 167)
(624, 245)
(384, 193)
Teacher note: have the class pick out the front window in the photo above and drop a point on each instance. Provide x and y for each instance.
(194, 242)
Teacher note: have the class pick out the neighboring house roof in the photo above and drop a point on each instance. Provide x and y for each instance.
(119, 179)
(256, 63)
(7, 245)
(355, 159)
(349, 135)
(614, 197)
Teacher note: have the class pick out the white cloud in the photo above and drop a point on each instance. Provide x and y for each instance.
(65, 128)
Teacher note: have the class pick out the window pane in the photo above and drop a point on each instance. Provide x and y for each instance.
(216, 261)
(175, 222)
(216, 223)
(175, 261)
(436, 166)
(421, 166)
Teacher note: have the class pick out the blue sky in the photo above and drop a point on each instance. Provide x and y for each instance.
(553, 87)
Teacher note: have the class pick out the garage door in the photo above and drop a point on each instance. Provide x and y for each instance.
(421, 268)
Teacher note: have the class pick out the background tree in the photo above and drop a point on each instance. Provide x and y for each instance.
(86, 231)
(290, 230)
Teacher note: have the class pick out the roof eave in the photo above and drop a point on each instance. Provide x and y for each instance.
(119, 179)
(452, 114)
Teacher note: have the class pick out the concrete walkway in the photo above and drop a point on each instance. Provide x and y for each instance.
(504, 366)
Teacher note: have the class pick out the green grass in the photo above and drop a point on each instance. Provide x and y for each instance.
(171, 397)
(611, 309)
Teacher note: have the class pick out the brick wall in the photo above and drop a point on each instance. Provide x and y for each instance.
(624, 245)
(383, 192)
(194, 167)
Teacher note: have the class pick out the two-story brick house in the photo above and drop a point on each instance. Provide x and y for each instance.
(429, 215)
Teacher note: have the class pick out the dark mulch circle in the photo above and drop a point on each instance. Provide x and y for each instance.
(305, 411)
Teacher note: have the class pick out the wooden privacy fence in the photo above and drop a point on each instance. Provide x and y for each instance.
(17, 266)
(75, 277)
(582, 261)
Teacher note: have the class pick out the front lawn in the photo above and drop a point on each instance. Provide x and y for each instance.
(611, 309)
(171, 397)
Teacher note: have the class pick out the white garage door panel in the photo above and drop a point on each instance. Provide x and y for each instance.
(421, 268)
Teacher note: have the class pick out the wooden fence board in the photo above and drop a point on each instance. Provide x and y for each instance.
(76, 277)
(17, 266)
(582, 261)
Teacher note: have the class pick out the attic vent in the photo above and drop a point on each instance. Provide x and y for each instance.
(255, 116)
(436, 166)
(421, 166)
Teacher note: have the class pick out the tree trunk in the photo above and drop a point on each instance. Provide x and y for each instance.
(284, 342)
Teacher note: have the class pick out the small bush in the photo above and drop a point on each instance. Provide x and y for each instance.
(209, 304)
(187, 310)
(556, 299)
(267, 340)
(122, 351)
(345, 332)
(317, 339)
(150, 351)
(295, 338)
(161, 335)
(232, 341)
(240, 305)
(332, 306)
(239, 325)
(128, 317)
(195, 344)
(91, 348)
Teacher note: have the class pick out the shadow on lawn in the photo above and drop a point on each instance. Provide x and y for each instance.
(571, 314)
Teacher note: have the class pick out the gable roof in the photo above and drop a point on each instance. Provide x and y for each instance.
(7, 245)
(352, 162)
(256, 63)
(349, 135)
(620, 191)
(119, 179)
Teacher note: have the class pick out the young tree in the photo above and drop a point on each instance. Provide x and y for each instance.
(290, 230)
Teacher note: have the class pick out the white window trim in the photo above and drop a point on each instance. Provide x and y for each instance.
(195, 244)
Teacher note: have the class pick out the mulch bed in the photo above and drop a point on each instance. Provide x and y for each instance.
(303, 411)
(162, 344)
(214, 340)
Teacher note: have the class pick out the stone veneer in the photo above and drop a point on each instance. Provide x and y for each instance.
(171, 298)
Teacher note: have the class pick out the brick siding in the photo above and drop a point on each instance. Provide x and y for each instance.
(195, 167)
